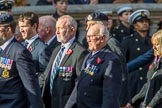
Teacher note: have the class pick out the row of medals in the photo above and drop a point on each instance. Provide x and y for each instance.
(5, 64)
(91, 69)
(65, 72)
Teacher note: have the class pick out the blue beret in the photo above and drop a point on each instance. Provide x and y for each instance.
(6, 4)
(6, 18)
(96, 16)
(138, 14)
(124, 9)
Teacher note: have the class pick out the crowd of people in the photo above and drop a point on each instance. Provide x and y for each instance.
(45, 64)
(93, 2)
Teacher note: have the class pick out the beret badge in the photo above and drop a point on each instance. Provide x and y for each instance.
(142, 13)
(6, 4)
(89, 17)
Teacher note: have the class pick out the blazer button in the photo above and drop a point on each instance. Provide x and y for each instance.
(140, 68)
(91, 80)
(85, 93)
(138, 49)
(141, 78)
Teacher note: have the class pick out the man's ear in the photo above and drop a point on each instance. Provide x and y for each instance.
(103, 38)
(35, 25)
(72, 29)
(7, 29)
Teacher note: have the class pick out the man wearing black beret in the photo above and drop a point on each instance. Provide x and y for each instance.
(114, 46)
(18, 81)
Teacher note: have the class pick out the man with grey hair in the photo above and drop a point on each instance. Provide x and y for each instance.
(47, 32)
(64, 65)
(114, 46)
(99, 83)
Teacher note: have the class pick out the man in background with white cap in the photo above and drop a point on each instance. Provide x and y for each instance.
(137, 45)
(6, 6)
(123, 29)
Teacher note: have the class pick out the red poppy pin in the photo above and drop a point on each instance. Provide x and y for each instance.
(69, 51)
(150, 66)
(30, 49)
(99, 60)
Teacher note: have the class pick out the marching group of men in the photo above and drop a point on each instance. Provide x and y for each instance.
(52, 68)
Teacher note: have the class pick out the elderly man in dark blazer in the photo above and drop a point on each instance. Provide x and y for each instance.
(18, 81)
(115, 46)
(64, 65)
(47, 32)
(100, 80)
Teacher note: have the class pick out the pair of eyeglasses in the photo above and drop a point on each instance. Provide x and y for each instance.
(93, 36)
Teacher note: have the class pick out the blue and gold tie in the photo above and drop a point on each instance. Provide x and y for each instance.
(55, 69)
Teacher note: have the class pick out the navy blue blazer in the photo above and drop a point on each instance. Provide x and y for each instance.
(141, 60)
(99, 83)
(19, 85)
(49, 49)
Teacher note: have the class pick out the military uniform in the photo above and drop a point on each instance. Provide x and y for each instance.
(133, 47)
(120, 32)
(18, 81)
(116, 48)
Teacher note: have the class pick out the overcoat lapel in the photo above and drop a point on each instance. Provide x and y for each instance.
(49, 67)
(68, 55)
(100, 55)
(34, 43)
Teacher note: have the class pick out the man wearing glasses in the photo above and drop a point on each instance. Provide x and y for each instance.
(114, 46)
(100, 80)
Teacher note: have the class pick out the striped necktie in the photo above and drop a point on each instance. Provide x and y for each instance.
(1, 50)
(55, 69)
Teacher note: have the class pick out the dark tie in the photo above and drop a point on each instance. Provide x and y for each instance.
(56, 65)
(26, 44)
(1, 50)
(91, 57)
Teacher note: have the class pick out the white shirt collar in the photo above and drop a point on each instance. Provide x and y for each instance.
(53, 37)
(68, 44)
(93, 53)
(7, 43)
(30, 41)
